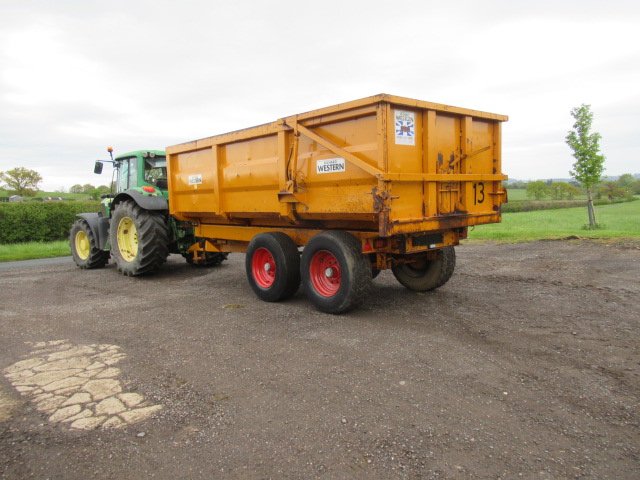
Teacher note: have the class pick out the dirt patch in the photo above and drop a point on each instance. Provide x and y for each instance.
(8, 406)
(525, 365)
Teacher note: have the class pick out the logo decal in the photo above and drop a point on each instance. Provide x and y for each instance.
(331, 165)
(405, 128)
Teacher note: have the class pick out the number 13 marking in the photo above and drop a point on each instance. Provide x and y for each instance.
(478, 193)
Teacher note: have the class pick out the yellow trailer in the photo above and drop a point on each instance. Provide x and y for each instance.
(377, 183)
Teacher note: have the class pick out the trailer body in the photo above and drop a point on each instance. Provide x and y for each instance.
(384, 167)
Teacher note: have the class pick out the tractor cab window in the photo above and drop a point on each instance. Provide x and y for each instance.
(127, 176)
(155, 171)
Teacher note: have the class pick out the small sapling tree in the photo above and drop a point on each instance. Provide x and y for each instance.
(589, 163)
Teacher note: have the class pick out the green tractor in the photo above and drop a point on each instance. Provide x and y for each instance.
(133, 225)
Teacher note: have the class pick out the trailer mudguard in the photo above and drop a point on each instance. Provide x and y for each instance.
(99, 227)
(144, 201)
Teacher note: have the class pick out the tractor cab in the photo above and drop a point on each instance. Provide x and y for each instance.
(139, 175)
(137, 170)
(142, 169)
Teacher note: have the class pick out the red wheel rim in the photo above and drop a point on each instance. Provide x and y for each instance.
(325, 274)
(263, 267)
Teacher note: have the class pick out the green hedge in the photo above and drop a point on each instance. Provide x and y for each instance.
(40, 222)
(531, 205)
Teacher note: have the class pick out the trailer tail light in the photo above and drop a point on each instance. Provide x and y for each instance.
(463, 232)
(148, 189)
(380, 243)
(371, 245)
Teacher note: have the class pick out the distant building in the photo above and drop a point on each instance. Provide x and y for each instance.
(16, 198)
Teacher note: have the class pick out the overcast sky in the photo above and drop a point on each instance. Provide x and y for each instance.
(77, 76)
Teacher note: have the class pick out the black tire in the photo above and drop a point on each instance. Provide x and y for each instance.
(272, 264)
(336, 276)
(145, 247)
(211, 259)
(84, 247)
(424, 275)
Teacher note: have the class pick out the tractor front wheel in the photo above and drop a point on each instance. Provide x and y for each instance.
(139, 239)
(84, 247)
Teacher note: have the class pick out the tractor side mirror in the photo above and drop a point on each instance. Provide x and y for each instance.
(97, 169)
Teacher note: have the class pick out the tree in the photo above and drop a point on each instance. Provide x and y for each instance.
(88, 188)
(101, 190)
(21, 181)
(613, 190)
(559, 190)
(76, 189)
(589, 164)
(626, 181)
(537, 189)
(572, 191)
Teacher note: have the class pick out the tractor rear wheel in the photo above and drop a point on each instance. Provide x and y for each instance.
(272, 264)
(423, 274)
(84, 247)
(336, 276)
(139, 239)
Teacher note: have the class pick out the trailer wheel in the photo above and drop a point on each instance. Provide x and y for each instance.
(272, 264)
(424, 275)
(84, 248)
(139, 239)
(211, 259)
(336, 276)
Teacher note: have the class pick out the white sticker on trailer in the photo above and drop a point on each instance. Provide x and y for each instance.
(405, 125)
(195, 179)
(331, 165)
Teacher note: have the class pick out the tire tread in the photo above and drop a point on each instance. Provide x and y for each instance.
(436, 273)
(359, 275)
(97, 258)
(153, 239)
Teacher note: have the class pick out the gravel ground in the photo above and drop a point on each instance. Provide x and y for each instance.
(525, 365)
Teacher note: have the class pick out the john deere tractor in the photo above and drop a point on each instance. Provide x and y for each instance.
(134, 226)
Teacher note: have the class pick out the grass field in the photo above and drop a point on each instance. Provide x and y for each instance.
(620, 220)
(31, 250)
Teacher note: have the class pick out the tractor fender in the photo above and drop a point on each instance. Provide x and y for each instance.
(99, 226)
(144, 201)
